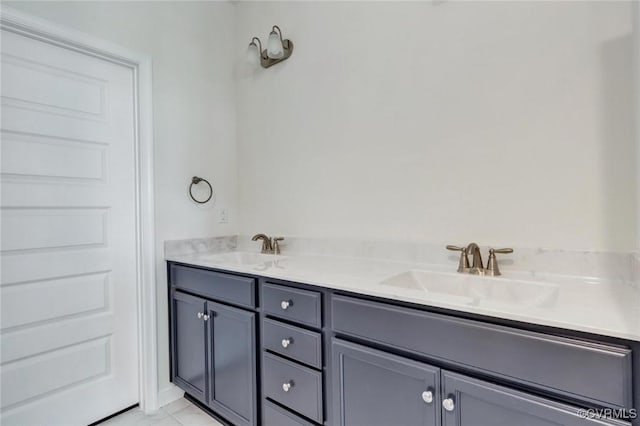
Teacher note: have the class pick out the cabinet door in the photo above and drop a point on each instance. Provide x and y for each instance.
(372, 387)
(472, 402)
(188, 344)
(232, 363)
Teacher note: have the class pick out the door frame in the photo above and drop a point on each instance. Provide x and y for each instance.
(141, 66)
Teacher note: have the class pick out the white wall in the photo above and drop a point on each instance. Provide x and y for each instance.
(506, 123)
(193, 101)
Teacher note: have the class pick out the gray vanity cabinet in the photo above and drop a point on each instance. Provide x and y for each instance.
(213, 345)
(337, 359)
(471, 402)
(188, 341)
(372, 387)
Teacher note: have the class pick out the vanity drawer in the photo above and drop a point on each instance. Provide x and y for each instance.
(294, 342)
(294, 304)
(595, 372)
(305, 393)
(215, 285)
(278, 416)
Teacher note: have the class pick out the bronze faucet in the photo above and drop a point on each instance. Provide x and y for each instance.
(269, 245)
(266, 242)
(477, 267)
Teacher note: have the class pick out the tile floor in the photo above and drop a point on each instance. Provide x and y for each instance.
(178, 413)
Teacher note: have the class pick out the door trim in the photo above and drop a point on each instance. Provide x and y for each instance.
(39, 29)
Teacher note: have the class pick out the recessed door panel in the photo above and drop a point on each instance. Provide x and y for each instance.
(373, 387)
(232, 362)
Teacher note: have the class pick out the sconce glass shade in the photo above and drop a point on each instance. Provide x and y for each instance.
(275, 50)
(253, 54)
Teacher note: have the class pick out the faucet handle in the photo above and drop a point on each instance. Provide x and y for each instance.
(276, 244)
(502, 250)
(464, 259)
(492, 263)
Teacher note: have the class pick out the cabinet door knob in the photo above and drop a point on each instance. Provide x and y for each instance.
(200, 314)
(287, 386)
(286, 342)
(285, 304)
(448, 404)
(427, 396)
(205, 317)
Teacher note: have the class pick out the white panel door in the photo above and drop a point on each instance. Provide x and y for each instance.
(68, 250)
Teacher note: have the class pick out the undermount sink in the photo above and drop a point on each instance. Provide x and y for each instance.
(242, 258)
(477, 290)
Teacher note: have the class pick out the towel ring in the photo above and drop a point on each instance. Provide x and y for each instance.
(196, 180)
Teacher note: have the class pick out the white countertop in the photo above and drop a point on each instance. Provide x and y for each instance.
(590, 305)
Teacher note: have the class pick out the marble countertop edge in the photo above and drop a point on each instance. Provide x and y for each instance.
(594, 306)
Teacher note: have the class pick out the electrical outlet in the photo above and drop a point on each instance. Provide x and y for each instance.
(224, 215)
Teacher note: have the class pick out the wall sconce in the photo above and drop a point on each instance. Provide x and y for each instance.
(277, 49)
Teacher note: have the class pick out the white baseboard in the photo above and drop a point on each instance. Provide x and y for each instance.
(169, 394)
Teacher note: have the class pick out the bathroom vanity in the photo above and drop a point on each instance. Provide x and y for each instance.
(259, 350)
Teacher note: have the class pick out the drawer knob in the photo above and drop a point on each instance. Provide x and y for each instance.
(287, 386)
(427, 396)
(448, 404)
(205, 317)
(200, 314)
(285, 304)
(286, 342)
